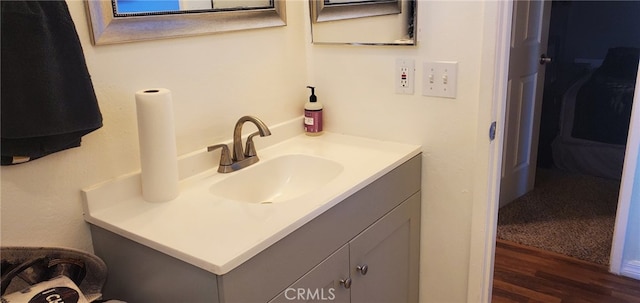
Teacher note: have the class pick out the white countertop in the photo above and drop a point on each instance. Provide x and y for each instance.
(218, 235)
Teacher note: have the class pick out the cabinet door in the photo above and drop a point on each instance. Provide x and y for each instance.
(322, 283)
(385, 257)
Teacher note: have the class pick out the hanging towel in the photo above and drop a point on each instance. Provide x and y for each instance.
(48, 101)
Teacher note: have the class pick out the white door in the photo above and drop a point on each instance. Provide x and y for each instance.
(625, 249)
(529, 36)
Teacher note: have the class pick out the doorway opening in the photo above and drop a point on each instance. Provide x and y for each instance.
(586, 107)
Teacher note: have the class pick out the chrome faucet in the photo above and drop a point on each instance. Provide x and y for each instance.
(240, 158)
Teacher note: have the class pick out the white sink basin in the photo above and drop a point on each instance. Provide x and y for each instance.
(277, 180)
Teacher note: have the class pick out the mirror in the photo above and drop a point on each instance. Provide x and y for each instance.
(130, 7)
(363, 22)
(119, 21)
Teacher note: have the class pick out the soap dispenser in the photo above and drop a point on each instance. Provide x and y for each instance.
(313, 115)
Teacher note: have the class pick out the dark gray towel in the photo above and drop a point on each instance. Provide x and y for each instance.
(48, 101)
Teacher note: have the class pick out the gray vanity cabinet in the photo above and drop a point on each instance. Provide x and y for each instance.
(322, 282)
(384, 258)
(377, 226)
(378, 265)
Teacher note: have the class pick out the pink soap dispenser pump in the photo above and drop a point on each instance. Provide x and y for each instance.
(313, 115)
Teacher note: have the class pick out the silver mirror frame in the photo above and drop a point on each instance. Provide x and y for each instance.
(107, 29)
(323, 13)
(320, 12)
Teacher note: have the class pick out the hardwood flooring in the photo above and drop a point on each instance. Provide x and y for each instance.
(526, 274)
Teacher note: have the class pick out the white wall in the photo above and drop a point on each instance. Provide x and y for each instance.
(216, 79)
(356, 85)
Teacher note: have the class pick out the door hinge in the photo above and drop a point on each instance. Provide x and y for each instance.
(492, 131)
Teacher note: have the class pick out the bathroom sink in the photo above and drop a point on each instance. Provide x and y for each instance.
(277, 180)
(298, 178)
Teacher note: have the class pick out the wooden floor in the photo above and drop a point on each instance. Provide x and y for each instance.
(525, 274)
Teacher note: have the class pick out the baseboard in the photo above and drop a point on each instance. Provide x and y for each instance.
(631, 269)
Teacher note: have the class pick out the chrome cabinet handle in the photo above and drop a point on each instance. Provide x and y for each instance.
(363, 269)
(346, 283)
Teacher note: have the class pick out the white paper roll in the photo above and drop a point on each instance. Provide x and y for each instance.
(158, 155)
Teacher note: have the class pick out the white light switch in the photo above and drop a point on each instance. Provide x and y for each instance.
(440, 79)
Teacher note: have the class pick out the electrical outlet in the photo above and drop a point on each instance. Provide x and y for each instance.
(404, 76)
(440, 79)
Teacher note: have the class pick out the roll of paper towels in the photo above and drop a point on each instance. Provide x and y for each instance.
(158, 155)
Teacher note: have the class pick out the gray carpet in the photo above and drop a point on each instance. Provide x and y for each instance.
(567, 213)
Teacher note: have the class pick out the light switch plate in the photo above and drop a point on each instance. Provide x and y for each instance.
(440, 79)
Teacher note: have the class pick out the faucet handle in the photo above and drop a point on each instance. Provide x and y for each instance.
(250, 148)
(225, 155)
